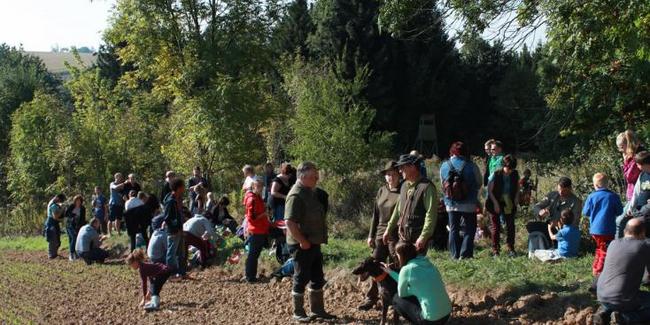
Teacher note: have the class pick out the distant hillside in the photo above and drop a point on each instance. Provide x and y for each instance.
(55, 62)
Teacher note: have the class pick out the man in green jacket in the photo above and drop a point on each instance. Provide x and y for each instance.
(305, 214)
(417, 208)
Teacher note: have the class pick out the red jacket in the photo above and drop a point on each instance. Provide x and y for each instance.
(258, 222)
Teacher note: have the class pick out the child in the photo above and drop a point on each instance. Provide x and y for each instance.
(568, 237)
(153, 276)
(602, 207)
(100, 208)
(641, 193)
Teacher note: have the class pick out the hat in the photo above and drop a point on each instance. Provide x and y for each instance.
(157, 221)
(407, 160)
(390, 165)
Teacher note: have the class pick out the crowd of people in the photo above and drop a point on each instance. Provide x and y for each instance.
(289, 210)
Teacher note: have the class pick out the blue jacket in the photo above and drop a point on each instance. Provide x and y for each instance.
(602, 207)
(472, 178)
(173, 215)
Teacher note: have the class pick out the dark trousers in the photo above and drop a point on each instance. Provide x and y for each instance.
(461, 247)
(381, 253)
(72, 239)
(256, 244)
(156, 283)
(410, 309)
(638, 315)
(308, 268)
(495, 228)
(199, 243)
(53, 237)
(95, 254)
(132, 239)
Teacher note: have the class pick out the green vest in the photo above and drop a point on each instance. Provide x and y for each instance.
(412, 210)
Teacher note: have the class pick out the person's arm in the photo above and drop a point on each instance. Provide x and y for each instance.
(374, 222)
(275, 191)
(550, 232)
(143, 278)
(430, 218)
(294, 213)
(541, 206)
(635, 196)
(392, 223)
(117, 186)
(403, 285)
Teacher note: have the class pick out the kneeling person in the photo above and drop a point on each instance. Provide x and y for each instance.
(619, 283)
(89, 242)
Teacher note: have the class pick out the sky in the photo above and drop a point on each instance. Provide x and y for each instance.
(40, 25)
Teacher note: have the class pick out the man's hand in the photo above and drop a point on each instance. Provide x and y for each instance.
(305, 245)
(371, 243)
(420, 244)
(544, 213)
(385, 238)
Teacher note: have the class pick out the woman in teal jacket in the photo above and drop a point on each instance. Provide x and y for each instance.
(421, 296)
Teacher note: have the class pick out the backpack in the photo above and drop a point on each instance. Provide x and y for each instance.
(455, 187)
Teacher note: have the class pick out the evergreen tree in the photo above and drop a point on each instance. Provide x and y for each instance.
(293, 30)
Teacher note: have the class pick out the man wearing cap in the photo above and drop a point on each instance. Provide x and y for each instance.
(385, 203)
(416, 212)
(550, 208)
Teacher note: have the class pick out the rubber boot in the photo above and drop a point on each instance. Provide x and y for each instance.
(299, 313)
(317, 304)
(154, 304)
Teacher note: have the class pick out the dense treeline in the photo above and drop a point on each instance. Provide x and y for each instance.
(343, 82)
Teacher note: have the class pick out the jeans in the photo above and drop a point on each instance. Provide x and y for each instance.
(621, 222)
(95, 254)
(278, 212)
(256, 244)
(72, 239)
(495, 228)
(638, 315)
(602, 242)
(308, 268)
(175, 258)
(53, 237)
(382, 252)
(461, 247)
(409, 308)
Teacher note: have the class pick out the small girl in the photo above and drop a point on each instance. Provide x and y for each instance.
(154, 274)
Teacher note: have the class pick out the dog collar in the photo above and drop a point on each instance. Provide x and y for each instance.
(381, 277)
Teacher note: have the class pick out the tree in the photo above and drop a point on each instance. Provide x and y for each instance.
(294, 29)
(39, 143)
(331, 122)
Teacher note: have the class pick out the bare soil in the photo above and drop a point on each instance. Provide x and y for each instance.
(33, 289)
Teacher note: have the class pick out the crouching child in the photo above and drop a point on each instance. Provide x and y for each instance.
(153, 276)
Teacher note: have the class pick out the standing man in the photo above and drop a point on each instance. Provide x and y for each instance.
(416, 212)
(52, 230)
(173, 213)
(305, 214)
(116, 204)
(496, 159)
(197, 180)
(131, 184)
(488, 156)
(166, 186)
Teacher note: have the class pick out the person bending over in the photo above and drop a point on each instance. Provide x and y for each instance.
(153, 276)
(89, 242)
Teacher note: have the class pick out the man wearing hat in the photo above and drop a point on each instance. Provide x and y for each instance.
(550, 208)
(385, 203)
(416, 212)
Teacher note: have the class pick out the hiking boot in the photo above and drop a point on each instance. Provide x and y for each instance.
(154, 304)
(367, 304)
(299, 313)
(317, 305)
(601, 316)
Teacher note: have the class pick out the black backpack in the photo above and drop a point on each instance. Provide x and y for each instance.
(455, 187)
